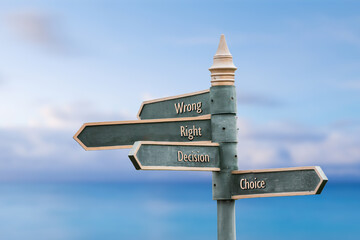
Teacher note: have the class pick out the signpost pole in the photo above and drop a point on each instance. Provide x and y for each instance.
(224, 132)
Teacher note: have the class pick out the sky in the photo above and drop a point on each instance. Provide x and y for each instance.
(64, 63)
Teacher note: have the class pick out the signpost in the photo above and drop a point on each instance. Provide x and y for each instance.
(197, 132)
(175, 156)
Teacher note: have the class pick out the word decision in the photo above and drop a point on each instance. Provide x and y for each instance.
(193, 157)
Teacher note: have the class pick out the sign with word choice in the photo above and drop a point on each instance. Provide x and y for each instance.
(175, 156)
(186, 105)
(278, 182)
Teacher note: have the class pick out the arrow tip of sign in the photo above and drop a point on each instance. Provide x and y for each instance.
(323, 179)
(76, 137)
(132, 155)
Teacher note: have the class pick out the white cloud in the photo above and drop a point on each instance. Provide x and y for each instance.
(253, 155)
(338, 148)
(34, 26)
(30, 25)
(50, 153)
(291, 145)
(71, 116)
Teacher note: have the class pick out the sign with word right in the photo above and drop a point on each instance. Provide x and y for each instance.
(278, 182)
(123, 134)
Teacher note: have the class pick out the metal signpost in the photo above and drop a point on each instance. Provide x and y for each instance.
(197, 132)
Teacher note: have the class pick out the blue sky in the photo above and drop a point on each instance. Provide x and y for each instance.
(63, 63)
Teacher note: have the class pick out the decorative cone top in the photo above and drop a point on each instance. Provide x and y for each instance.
(223, 68)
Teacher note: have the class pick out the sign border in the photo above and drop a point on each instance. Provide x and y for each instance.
(318, 189)
(204, 117)
(138, 144)
(170, 98)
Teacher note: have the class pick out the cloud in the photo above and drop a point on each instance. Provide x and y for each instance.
(35, 154)
(291, 145)
(35, 27)
(50, 154)
(46, 151)
(345, 124)
(338, 148)
(71, 116)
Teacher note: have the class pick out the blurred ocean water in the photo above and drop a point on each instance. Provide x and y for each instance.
(170, 210)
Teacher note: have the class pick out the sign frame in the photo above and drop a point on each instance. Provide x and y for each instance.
(322, 182)
(163, 120)
(171, 98)
(137, 164)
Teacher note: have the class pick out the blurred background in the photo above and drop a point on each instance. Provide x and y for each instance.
(63, 63)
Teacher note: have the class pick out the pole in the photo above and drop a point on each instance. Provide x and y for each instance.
(226, 219)
(224, 131)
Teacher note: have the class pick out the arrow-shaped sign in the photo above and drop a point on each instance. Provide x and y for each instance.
(186, 105)
(123, 134)
(278, 182)
(149, 155)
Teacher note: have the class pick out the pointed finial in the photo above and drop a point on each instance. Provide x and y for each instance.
(223, 68)
(223, 48)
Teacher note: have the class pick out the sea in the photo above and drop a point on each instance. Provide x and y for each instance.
(169, 210)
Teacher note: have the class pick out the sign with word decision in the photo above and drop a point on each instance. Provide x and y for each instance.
(123, 134)
(149, 155)
(186, 105)
(278, 182)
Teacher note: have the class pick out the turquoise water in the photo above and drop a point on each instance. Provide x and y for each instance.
(169, 211)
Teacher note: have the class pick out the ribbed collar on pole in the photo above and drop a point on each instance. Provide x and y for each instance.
(223, 68)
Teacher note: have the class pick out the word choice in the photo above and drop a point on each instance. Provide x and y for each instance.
(182, 108)
(190, 133)
(193, 157)
(245, 184)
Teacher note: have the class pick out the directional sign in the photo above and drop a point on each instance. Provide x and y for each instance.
(278, 182)
(184, 133)
(186, 105)
(123, 134)
(149, 155)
